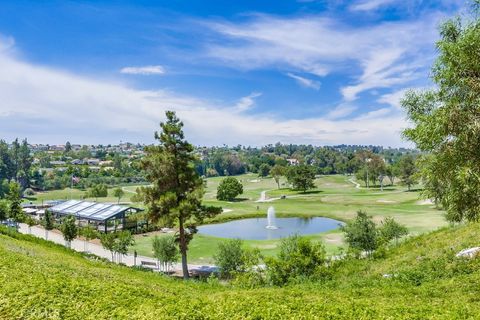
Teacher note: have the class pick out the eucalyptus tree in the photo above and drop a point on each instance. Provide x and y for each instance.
(445, 121)
(277, 172)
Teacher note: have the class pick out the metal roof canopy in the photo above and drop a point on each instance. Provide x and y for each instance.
(90, 210)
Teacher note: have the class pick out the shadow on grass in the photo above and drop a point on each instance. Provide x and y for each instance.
(238, 200)
(308, 192)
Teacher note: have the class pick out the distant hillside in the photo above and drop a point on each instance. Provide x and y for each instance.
(40, 280)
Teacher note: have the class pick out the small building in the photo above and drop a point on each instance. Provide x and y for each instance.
(293, 161)
(58, 163)
(76, 162)
(105, 217)
(93, 162)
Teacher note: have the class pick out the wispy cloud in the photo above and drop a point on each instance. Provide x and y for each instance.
(308, 83)
(246, 103)
(393, 99)
(341, 111)
(368, 5)
(145, 70)
(61, 106)
(385, 55)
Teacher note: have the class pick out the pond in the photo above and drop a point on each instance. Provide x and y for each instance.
(255, 228)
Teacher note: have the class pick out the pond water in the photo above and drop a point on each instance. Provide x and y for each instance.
(255, 228)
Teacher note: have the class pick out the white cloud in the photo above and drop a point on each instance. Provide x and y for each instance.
(341, 111)
(385, 55)
(308, 83)
(368, 5)
(393, 98)
(247, 102)
(145, 70)
(50, 106)
(383, 69)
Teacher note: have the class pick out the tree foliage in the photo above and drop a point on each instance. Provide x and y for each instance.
(229, 188)
(445, 121)
(69, 229)
(301, 177)
(165, 250)
(177, 191)
(108, 242)
(118, 193)
(277, 172)
(391, 229)
(361, 233)
(14, 198)
(231, 258)
(98, 191)
(4, 209)
(299, 257)
(264, 170)
(407, 170)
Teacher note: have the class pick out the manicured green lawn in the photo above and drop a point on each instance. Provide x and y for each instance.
(335, 197)
(67, 194)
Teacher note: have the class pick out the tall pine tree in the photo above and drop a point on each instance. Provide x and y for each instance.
(175, 196)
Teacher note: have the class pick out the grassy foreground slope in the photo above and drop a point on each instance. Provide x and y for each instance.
(40, 280)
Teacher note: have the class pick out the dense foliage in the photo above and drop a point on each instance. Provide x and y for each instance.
(229, 188)
(69, 229)
(232, 259)
(361, 233)
(445, 121)
(299, 258)
(165, 250)
(42, 280)
(301, 177)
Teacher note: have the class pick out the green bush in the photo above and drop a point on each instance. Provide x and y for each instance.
(232, 259)
(299, 258)
(229, 188)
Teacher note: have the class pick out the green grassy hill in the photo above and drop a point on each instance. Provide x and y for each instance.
(40, 280)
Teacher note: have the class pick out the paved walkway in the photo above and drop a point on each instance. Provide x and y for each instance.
(92, 247)
(263, 197)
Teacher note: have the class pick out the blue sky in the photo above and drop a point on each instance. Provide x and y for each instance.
(245, 72)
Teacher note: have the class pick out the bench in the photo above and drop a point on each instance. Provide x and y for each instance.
(148, 264)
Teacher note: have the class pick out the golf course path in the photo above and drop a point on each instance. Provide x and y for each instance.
(357, 185)
(263, 197)
(92, 247)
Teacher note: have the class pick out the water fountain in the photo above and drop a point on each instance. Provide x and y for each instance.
(271, 219)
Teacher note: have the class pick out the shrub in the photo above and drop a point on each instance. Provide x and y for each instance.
(229, 257)
(298, 258)
(390, 229)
